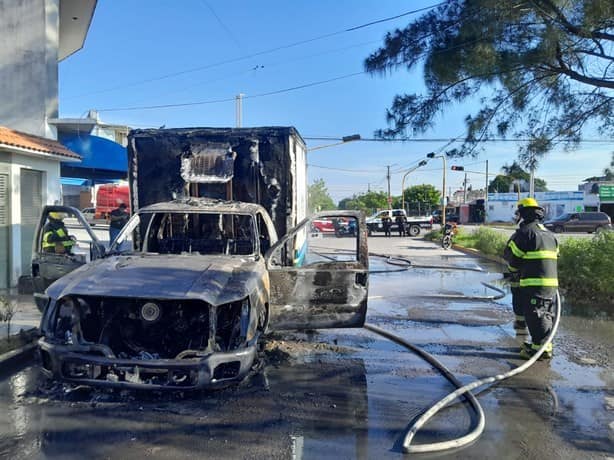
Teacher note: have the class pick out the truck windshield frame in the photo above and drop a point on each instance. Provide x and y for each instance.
(181, 232)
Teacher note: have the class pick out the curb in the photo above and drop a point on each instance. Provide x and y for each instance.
(13, 358)
(477, 253)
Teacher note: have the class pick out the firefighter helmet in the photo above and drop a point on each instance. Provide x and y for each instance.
(56, 215)
(528, 203)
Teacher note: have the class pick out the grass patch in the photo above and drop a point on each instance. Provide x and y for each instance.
(483, 239)
(585, 265)
(586, 269)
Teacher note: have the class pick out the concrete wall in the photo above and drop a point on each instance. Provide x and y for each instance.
(29, 31)
(14, 163)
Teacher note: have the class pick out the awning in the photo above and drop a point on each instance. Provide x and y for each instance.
(73, 181)
(102, 159)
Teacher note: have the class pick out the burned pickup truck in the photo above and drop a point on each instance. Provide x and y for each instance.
(187, 289)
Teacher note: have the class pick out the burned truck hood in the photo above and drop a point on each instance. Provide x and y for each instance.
(215, 279)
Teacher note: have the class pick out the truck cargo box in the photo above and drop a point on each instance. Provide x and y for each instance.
(263, 165)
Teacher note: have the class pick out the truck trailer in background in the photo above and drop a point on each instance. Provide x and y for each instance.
(109, 197)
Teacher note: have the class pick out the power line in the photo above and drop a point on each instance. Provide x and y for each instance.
(369, 171)
(259, 53)
(226, 29)
(419, 10)
(228, 99)
(437, 139)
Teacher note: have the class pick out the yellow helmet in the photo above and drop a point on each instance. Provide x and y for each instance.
(56, 215)
(528, 203)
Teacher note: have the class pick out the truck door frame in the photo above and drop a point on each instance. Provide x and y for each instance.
(48, 267)
(331, 294)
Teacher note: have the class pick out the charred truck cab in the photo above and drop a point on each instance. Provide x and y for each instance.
(182, 296)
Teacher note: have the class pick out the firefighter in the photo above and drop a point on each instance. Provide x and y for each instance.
(532, 252)
(513, 278)
(55, 236)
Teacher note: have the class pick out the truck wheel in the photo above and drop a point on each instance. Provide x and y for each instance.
(414, 230)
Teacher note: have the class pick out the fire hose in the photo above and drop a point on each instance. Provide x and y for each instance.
(462, 390)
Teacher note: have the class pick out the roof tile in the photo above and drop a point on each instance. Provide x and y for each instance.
(18, 139)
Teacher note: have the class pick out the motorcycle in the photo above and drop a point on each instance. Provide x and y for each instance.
(448, 233)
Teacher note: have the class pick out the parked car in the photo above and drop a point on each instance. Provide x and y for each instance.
(580, 222)
(322, 225)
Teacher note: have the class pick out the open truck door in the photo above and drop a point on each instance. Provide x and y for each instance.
(62, 243)
(320, 281)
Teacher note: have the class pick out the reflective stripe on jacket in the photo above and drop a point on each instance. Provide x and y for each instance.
(533, 251)
(52, 236)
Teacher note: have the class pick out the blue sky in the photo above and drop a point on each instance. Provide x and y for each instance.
(134, 45)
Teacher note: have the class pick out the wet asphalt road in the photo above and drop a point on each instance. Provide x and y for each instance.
(348, 393)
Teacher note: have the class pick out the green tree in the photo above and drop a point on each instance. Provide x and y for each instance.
(547, 67)
(425, 194)
(502, 183)
(367, 202)
(318, 197)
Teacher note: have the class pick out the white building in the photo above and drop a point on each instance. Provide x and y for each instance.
(501, 206)
(29, 178)
(34, 36)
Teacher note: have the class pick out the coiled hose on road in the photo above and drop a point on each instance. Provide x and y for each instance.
(462, 390)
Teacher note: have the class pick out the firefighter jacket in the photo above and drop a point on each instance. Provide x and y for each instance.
(55, 232)
(532, 252)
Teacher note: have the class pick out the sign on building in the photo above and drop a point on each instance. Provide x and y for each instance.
(606, 193)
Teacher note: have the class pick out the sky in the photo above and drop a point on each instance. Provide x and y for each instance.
(143, 53)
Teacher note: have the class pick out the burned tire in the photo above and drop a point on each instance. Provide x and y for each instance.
(414, 230)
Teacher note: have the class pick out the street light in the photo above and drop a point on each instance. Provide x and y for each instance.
(422, 163)
(443, 200)
(344, 140)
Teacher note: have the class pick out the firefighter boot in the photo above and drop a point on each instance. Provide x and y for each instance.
(528, 350)
(519, 323)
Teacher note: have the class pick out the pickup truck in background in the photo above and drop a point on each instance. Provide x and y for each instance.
(413, 224)
(191, 283)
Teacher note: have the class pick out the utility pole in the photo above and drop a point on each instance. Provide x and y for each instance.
(532, 183)
(388, 178)
(465, 189)
(443, 187)
(239, 109)
(486, 194)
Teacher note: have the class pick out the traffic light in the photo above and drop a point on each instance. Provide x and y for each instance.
(458, 168)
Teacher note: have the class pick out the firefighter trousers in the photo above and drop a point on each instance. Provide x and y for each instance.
(538, 307)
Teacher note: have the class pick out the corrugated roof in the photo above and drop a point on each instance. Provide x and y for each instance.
(18, 139)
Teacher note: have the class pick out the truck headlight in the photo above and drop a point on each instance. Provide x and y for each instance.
(66, 317)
